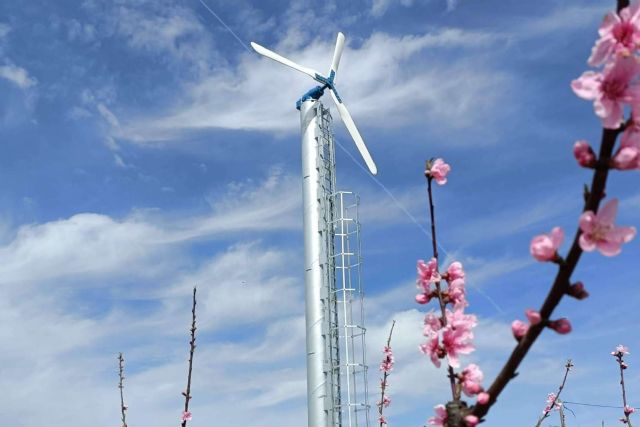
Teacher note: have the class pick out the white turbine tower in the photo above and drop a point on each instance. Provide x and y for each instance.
(335, 376)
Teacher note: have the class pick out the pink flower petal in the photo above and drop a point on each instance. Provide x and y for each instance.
(586, 243)
(608, 248)
(608, 212)
(587, 85)
(587, 220)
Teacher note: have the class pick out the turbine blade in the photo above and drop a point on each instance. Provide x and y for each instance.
(281, 59)
(353, 131)
(337, 53)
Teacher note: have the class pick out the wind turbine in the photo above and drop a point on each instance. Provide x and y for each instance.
(318, 91)
(330, 368)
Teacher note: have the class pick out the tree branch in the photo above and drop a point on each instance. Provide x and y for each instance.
(123, 407)
(562, 281)
(187, 393)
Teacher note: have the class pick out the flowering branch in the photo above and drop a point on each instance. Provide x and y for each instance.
(386, 366)
(619, 353)
(123, 407)
(591, 234)
(441, 176)
(186, 415)
(552, 399)
(449, 334)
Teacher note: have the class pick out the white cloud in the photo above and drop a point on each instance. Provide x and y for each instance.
(17, 75)
(244, 286)
(75, 347)
(382, 82)
(94, 244)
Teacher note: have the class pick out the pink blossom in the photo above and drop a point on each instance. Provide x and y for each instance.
(439, 171)
(457, 336)
(382, 419)
(551, 399)
(386, 401)
(620, 351)
(619, 35)
(432, 324)
(471, 420)
(545, 246)
(628, 155)
(186, 416)
(609, 90)
(584, 154)
(432, 349)
(427, 274)
(457, 294)
(631, 134)
(387, 361)
(455, 271)
(627, 158)
(471, 380)
(561, 326)
(519, 329)
(599, 230)
(628, 410)
(533, 316)
(440, 419)
(483, 398)
(423, 298)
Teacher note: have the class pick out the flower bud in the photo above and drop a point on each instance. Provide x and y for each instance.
(561, 326)
(544, 247)
(577, 291)
(533, 316)
(584, 154)
(483, 398)
(423, 298)
(519, 329)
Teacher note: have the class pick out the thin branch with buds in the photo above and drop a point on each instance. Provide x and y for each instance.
(123, 407)
(627, 410)
(383, 384)
(556, 397)
(186, 415)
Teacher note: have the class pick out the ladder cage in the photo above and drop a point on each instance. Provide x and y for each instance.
(346, 367)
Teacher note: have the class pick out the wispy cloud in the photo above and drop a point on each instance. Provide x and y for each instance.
(162, 27)
(380, 79)
(512, 220)
(17, 75)
(379, 7)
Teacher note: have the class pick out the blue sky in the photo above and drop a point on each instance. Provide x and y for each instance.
(144, 150)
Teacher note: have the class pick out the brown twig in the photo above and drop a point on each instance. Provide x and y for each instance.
(384, 379)
(187, 393)
(568, 367)
(123, 407)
